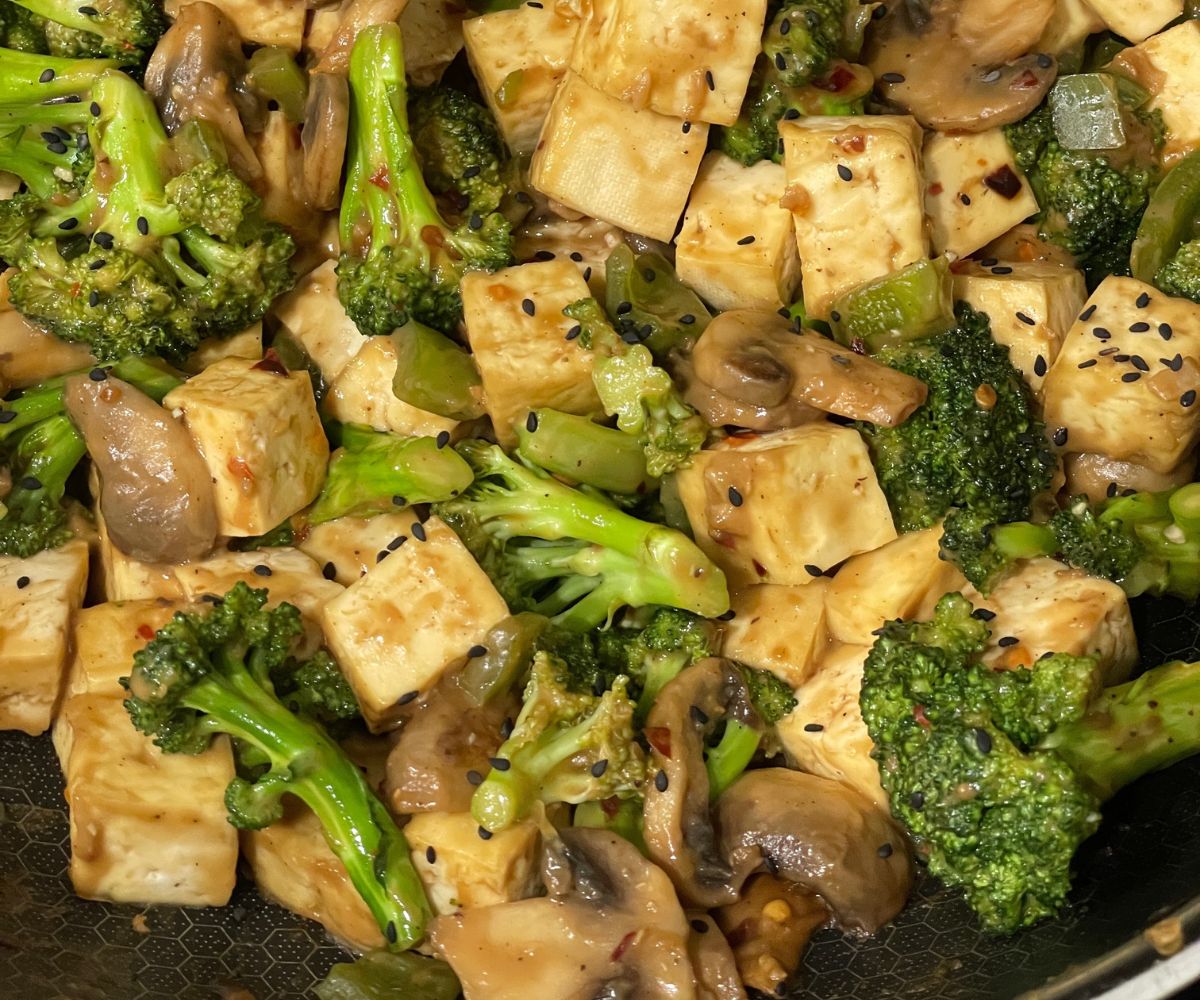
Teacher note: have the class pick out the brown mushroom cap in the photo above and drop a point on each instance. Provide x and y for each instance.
(323, 139)
(716, 969)
(353, 16)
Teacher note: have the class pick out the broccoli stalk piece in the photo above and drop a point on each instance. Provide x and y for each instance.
(1180, 275)
(771, 699)
(564, 747)
(36, 518)
(570, 555)
(207, 674)
(29, 80)
(651, 305)
(638, 393)
(121, 29)
(45, 166)
(400, 259)
(584, 451)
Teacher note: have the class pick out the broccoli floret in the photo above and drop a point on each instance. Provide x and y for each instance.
(46, 161)
(976, 444)
(400, 259)
(126, 30)
(985, 551)
(564, 747)
(206, 674)
(803, 39)
(771, 697)
(1035, 750)
(570, 555)
(17, 217)
(638, 393)
(1181, 274)
(20, 30)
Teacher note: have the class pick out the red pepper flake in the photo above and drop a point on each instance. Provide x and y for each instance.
(919, 715)
(858, 345)
(75, 289)
(145, 632)
(1026, 81)
(835, 82)
(759, 568)
(433, 236)
(610, 806)
(852, 143)
(1004, 182)
(381, 179)
(271, 362)
(241, 469)
(659, 737)
(623, 947)
(724, 538)
(936, 188)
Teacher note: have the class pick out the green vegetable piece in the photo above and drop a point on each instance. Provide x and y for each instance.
(508, 651)
(433, 373)
(728, 760)
(620, 816)
(383, 975)
(584, 451)
(274, 73)
(126, 30)
(650, 304)
(1086, 111)
(1172, 219)
(910, 304)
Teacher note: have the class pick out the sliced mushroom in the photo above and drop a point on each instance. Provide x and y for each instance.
(754, 359)
(610, 927)
(678, 824)
(155, 489)
(1099, 477)
(963, 65)
(323, 139)
(353, 16)
(713, 962)
(821, 835)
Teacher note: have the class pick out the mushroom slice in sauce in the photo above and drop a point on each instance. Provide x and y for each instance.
(1100, 477)
(323, 139)
(155, 488)
(713, 962)
(823, 836)
(609, 927)
(353, 16)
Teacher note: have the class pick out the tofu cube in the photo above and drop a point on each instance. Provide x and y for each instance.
(820, 469)
(1112, 407)
(313, 315)
(433, 36)
(261, 438)
(39, 596)
(688, 60)
(347, 547)
(737, 247)
(1030, 309)
(1168, 65)
(410, 619)
(146, 827)
(467, 872)
(123, 578)
(1137, 20)
(903, 579)
(855, 191)
(1052, 608)
(106, 636)
(525, 360)
(780, 629)
(640, 164)
(825, 733)
(974, 190)
(519, 57)
(260, 22)
(1071, 22)
(247, 344)
(294, 866)
(362, 394)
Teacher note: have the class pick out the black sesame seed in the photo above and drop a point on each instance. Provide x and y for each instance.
(396, 542)
(22, 582)
(660, 781)
(745, 241)
(408, 698)
(574, 332)
(599, 768)
(262, 570)
(687, 319)
(885, 850)
(93, 298)
(143, 225)
(1188, 398)
(524, 197)
(1165, 331)
(442, 439)
(735, 496)
(499, 763)
(68, 224)
(418, 531)
(95, 110)
(476, 651)
(472, 171)
(708, 79)
(698, 925)
(1143, 300)
(983, 740)
(1087, 314)
(475, 221)
(1060, 437)
(103, 240)
(1039, 366)
(1027, 320)
(649, 274)
(728, 616)
(31, 483)
(1140, 363)
(1007, 640)
(431, 854)
(88, 11)
(624, 307)
(7, 416)
(381, 555)
(543, 255)
(983, 614)
(917, 800)
(1111, 491)
(687, 127)
(97, 374)
(965, 199)
(892, 78)
(1044, 61)
(1090, 363)
(1175, 363)
(531, 422)
(813, 571)
(988, 262)
(329, 571)
(1108, 352)
(47, 76)
(527, 307)
(96, 265)
(474, 777)
(1100, 333)
(814, 727)
(791, 114)
(1131, 376)
(1120, 358)
(390, 932)
(844, 172)
(399, 501)
(1139, 327)
(485, 834)
(1003, 269)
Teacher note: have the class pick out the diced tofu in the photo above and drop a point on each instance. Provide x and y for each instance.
(525, 360)
(294, 866)
(1168, 65)
(146, 827)
(825, 733)
(689, 60)
(1052, 608)
(465, 871)
(261, 438)
(433, 36)
(106, 637)
(855, 191)
(281, 153)
(820, 469)
(903, 579)
(362, 394)
(247, 344)
(1071, 22)
(1137, 20)
(781, 629)
(1031, 309)
(28, 355)
(39, 596)
(640, 164)
(412, 617)
(974, 190)
(312, 314)
(1114, 408)
(347, 547)
(261, 22)
(123, 578)
(519, 58)
(737, 247)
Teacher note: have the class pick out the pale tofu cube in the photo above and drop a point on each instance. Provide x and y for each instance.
(903, 579)
(347, 547)
(974, 190)
(39, 596)
(312, 314)
(294, 866)
(825, 733)
(1049, 607)
(1071, 22)
(689, 60)
(732, 494)
(261, 22)
(123, 578)
(1114, 408)
(1031, 308)
(28, 354)
(519, 58)
(261, 438)
(1137, 20)
(737, 247)
(106, 637)
(1168, 65)
(362, 394)
(433, 36)
(780, 629)
(410, 619)
(525, 360)
(146, 827)
(281, 153)
(460, 871)
(247, 344)
(639, 167)
(855, 190)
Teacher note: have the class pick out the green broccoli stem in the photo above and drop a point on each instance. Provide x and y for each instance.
(584, 451)
(48, 454)
(1134, 728)
(28, 77)
(357, 827)
(435, 374)
(660, 671)
(31, 158)
(70, 15)
(731, 756)
(1023, 540)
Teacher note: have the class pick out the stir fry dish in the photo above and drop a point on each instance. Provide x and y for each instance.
(591, 493)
